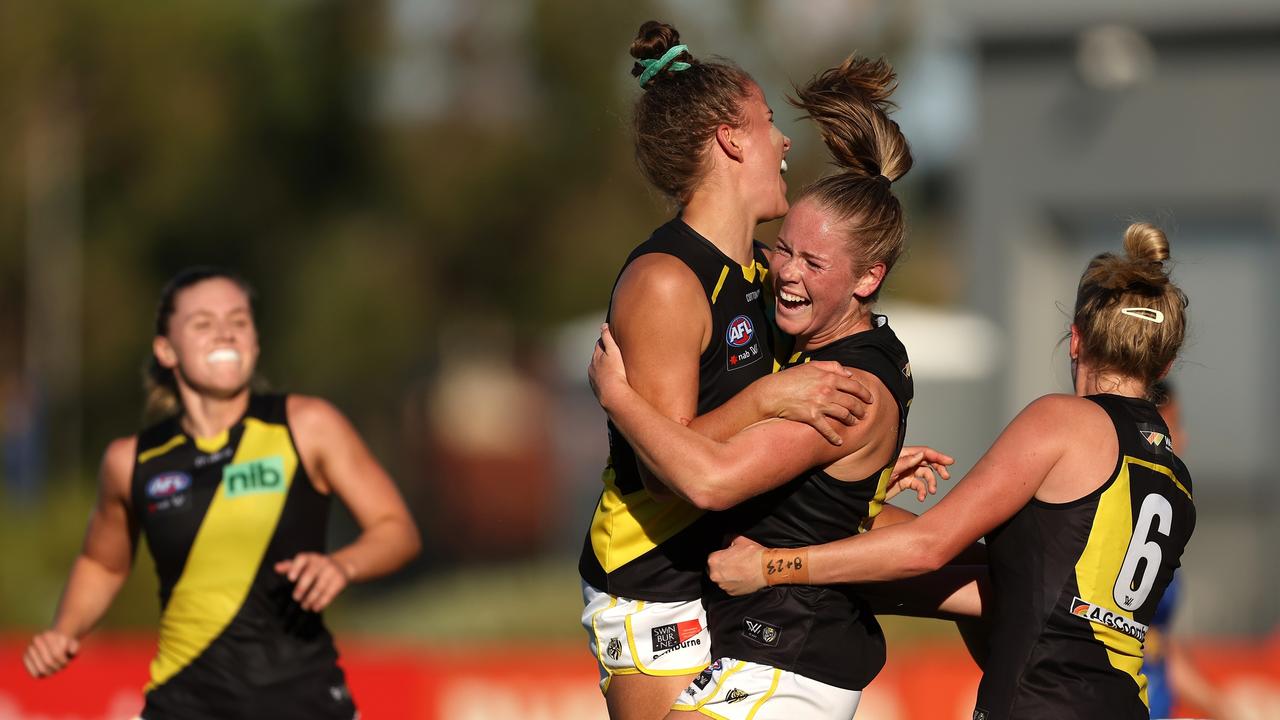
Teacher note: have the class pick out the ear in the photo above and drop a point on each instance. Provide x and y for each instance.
(727, 139)
(164, 352)
(869, 282)
(1075, 342)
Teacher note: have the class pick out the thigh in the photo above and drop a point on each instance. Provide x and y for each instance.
(643, 697)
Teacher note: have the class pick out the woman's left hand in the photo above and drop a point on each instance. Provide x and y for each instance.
(606, 364)
(738, 569)
(317, 579)
(918, 469)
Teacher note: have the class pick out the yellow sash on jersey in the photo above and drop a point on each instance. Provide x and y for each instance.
(228, 548)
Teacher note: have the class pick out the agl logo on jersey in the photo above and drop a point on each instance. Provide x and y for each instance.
(264, 475)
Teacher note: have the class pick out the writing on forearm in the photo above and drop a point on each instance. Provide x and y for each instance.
(786, 566)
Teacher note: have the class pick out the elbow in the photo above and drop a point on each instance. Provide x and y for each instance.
(713, 492)
(412, 541)
(924, 557)
(413, 545)
(710, 499)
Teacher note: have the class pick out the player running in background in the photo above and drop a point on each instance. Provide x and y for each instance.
(231, 491)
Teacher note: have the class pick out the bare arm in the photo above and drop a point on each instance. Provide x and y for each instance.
(99, 571)
(338, 460)
(717, 475)
(1003, 481)
(664, 339)
(820, 394)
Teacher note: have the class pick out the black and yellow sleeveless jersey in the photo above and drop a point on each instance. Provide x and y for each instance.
(1076, 584)
(827, 634)
(638, 547)
(217, 514)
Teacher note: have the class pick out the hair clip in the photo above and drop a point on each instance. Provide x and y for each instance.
(1148, 314)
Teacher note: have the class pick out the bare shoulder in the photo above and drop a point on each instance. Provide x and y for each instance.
(117, 465)
(1056, 408)
(658, 277)
(310, 416)
(1059, 420)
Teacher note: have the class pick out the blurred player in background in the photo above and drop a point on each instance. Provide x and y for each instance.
(1085, 507)
(231, 491)
(1171, 674)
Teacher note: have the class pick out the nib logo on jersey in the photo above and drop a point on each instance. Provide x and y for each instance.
(1102, 616)
(264, 475)
(675, 636)
(743, 345)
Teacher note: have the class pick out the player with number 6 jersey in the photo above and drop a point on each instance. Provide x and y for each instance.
(1085, 507)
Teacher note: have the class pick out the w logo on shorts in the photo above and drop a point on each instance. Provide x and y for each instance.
(615, 648)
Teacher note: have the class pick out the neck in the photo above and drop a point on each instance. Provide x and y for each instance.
(722, 220)
(206, 416)
(856, 320)
(1091, 381)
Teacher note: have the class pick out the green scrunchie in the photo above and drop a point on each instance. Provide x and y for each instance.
(653, 67)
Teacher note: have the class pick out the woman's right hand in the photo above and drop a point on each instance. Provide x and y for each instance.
(606, 364)
(817, 393)
(49, 652)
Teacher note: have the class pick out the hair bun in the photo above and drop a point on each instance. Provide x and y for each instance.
(850, 105)
(652, 41)
(1146, 243)
(1141, 268)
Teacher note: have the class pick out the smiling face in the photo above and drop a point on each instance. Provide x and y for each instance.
(211, 344)
(815, 279)
(764, 156)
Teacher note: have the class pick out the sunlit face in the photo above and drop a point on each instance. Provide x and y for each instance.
(212, 343)
(764, 150)
(815, 282)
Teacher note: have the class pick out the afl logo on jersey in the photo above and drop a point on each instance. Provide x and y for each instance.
(167, 485)
(740, 332)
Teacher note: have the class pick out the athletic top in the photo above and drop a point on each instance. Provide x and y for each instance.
(827, 634)
(217, 515)
(1076, 584)
(1155, 659)
(640, 548)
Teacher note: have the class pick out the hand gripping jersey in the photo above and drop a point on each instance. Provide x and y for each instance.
(656, 551)
(217, 515)
(1076, 584)
(824, 633)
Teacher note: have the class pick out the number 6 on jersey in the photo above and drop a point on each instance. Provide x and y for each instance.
(1131, 592)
